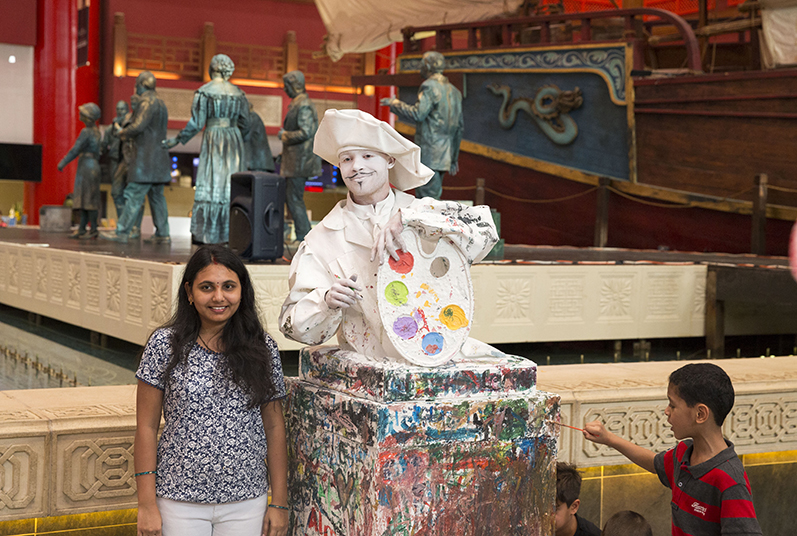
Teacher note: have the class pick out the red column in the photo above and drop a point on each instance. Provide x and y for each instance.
(54, 103)
(386, 59)
(87, 77)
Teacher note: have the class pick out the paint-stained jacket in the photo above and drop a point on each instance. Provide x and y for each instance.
(149, 162)
(340, 246)
(439, 122)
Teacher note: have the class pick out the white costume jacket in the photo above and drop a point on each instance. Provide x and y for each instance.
(340, 247)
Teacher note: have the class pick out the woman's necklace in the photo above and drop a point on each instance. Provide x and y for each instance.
(205, 343)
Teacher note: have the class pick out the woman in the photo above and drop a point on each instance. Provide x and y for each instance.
(217, 377)
(223, 111)
(86, 194)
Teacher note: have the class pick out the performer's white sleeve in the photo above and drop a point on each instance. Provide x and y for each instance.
(471, 229)
(305, 316)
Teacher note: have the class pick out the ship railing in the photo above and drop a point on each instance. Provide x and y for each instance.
(507, 33)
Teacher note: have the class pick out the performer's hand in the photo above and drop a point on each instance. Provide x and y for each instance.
(597, 433)
(386, 101)
(454, 168)
(280, 134)
(168, 144)
(61, 166)
(389, 240)
(344, 293)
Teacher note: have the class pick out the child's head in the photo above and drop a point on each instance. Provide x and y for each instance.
(235, 292)
(89, 113)
(568, 488)
(627, 523)
(704, 384)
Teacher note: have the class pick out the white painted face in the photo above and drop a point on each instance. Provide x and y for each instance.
(366, 174)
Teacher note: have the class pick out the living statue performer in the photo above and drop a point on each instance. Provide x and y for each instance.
(298, 161)
(438, 119)
(223, 111)
(257, 150)
(112, 145)
(149, 169)
(86, 193)
(333, 274)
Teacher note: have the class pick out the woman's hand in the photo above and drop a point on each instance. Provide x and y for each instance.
(149, 521)
(276, 522)
(168, 144)
(389, 240)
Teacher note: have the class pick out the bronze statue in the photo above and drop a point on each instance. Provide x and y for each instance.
(223, 111)
(257, 150)
(298, 161)
(86, 193)
(439, 122)
(149, 168)
(112, 146)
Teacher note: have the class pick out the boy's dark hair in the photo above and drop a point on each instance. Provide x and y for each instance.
(627, 523)
(568, 483)
(705, 383)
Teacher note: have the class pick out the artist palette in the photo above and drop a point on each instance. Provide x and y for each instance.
(426, 300)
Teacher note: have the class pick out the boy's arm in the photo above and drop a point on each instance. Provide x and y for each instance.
(597, 433)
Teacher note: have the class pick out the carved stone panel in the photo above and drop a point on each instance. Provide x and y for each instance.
(26, 272)
(74, 281)
(270, 293)
(663, 292)
(160, 298)
(22, 476)
(513, 300)
(92, 286)
(113, 290)
(616, 299)
(13, 270)
(566, 298)
(94, 470)
(4, 254)
(42, 281)
(57, 279)
(135, 296)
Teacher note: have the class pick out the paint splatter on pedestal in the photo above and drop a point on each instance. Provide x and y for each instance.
(383, 449)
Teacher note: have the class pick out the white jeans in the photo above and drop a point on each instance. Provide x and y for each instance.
(244, 518)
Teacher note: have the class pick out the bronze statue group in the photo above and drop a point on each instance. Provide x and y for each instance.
(234, 139)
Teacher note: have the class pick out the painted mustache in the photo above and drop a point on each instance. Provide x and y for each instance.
(360, 174)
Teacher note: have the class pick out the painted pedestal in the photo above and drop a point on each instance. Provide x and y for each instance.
(386, 449)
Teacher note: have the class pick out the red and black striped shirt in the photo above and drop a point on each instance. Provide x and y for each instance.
(711, 498)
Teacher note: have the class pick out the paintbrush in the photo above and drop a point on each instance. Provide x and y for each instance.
(565, 425)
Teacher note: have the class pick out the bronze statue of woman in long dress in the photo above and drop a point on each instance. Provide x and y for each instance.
(86, 193)
(223, 111)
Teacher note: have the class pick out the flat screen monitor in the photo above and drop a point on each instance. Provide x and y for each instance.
(20, 162)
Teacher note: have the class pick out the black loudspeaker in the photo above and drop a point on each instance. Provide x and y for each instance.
(257, 214)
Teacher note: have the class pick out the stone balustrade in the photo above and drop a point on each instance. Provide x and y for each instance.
(70, 450)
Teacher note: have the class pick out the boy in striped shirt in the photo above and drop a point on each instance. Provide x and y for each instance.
(710, 491)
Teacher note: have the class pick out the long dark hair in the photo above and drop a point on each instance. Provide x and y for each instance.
(243, 337)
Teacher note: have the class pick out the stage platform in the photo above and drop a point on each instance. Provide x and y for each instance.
(536, 294)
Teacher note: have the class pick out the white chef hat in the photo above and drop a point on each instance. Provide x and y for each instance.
(346, 130)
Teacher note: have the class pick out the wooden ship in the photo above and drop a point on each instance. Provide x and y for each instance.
(632, 128)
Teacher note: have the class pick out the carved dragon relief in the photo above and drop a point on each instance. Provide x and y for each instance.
(549, 108)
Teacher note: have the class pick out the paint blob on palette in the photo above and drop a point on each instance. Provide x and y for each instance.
(426, 300)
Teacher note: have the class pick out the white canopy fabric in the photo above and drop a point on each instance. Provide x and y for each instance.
(779, 25)
(368, 25)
